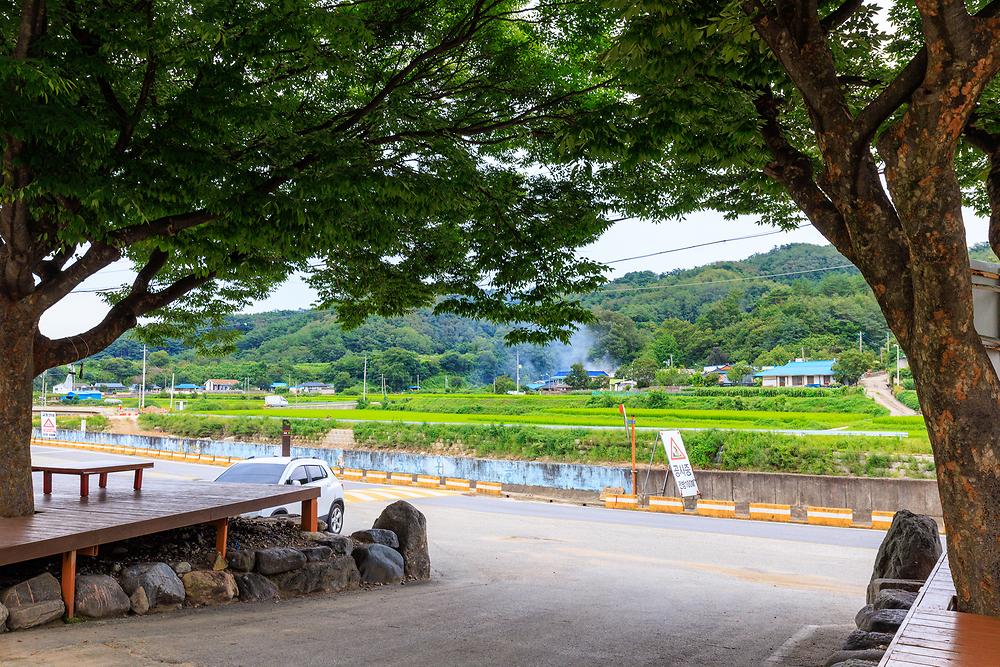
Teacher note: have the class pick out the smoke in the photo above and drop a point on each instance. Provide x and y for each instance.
(577, 351)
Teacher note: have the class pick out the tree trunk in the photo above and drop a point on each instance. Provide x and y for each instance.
(16, 352)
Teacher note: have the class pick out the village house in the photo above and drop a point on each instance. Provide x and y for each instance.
(799, 373)
(222, 385)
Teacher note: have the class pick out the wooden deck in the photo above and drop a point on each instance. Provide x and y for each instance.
(935, 634)
(66, 523)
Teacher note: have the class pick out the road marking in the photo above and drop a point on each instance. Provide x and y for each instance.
(372, 495)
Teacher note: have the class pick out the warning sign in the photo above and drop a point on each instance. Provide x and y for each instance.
(48, 424)
(680, 465)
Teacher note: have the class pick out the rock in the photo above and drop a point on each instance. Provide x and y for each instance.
(42, 588)
(321, 525)
(182, 568)
(3, 618)
(255, 587)
(139, 601)
(328, 576)
(158, 580)
(34, 614)
(410, 526)
(870, 656)
(854, 662)
(376, 536)
(379, 564)
(859, 639)
(876, 585)
(219, 563)
(100, 596)
(277, 560)
(316, 536)
(314, 554)
(870, 619)
(242, 560)
(894, 598)
(341, 545)
(910, 549)
(205, 587)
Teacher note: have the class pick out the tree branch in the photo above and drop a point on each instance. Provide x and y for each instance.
(123, 316)
(840, 15)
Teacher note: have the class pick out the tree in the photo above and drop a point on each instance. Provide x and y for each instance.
(578, 377)
(504, 384)
(877, 137)
(852, 364)
(642, 370)
(738, 371)
(388, 149)
(615, 336)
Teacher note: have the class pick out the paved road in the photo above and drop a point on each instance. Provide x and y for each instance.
(877, 388)
(525, 583)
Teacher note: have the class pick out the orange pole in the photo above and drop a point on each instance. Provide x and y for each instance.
(635, 485)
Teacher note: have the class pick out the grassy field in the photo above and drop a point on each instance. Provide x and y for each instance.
(718, 449)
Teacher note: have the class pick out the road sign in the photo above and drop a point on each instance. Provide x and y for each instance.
(680, 465)
(48, 424)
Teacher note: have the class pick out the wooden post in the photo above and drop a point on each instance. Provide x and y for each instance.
(47, 483)
(286, 437)
(84, 485)
(69, 582)
(103, 481)
(221, 536)
(310, 520)
(137, 484)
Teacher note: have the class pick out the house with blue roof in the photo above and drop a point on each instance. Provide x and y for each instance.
(562, 375)
(799, 374)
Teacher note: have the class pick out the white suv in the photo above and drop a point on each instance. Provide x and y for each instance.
(295, 471)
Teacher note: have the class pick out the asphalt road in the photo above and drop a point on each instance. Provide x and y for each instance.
(523, 583)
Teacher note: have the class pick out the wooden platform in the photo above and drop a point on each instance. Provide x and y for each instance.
(66, 523)
(935, 634)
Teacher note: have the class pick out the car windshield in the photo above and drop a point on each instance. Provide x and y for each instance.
(253, 473)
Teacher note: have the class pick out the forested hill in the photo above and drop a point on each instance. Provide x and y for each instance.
(764, 309)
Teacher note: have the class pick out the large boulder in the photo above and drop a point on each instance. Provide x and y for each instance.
(205, 587)
(100, 596)
(910, 549)
(277, 560)
(42, 588)
(255, 587)
(34, 614)
(139, 602)
(410, 526)
(870, 619)
(243, 560)
(894, 598)
(376, 536)
(859, 640)
(877, 585)
(34, 602)
(314, 554)
(379, 564)
(3, 618)
(340, 544)
(328, 576)
(161, 584)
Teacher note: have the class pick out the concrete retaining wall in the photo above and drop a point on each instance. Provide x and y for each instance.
(579, 481)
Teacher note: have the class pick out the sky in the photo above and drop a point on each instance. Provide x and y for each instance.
(80, 311)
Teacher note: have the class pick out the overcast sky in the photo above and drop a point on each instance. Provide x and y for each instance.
(78, 312)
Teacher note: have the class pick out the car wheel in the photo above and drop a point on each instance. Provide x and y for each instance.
(335, 519)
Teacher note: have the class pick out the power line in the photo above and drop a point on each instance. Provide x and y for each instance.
(702, 245)
(727, 280)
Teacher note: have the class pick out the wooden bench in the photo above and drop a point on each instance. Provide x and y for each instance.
(85, 470)
(933, 633)
(69, 525)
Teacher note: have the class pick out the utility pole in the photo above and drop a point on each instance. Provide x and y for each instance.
(517, 370)
(45, 375)
(859, 342)
(364, 382)
(897, 364)
(173, 379)
(142, 389)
